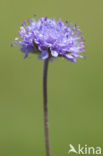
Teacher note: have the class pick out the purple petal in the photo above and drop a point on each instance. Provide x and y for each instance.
(70, 58)
(44, 55)
(54, 53)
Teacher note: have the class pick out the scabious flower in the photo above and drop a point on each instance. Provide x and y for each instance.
(49, 38)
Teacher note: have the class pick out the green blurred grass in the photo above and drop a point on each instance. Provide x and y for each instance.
(75, 91)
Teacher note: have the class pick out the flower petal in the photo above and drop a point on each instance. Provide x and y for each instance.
(44, 55)
(70, 58)
(54, 53)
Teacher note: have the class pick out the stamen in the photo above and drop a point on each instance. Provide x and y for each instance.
(66, 22)
(45, 18)
(29, 20)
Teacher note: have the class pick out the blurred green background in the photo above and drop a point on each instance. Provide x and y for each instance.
(75, 90)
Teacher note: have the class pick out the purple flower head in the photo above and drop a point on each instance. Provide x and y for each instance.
(49, 38)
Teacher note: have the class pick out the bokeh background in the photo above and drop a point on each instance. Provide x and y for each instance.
(75, 90)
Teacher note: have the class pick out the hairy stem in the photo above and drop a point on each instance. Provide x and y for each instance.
(45, 70)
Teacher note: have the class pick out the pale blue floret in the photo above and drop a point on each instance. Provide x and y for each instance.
(50, 39)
